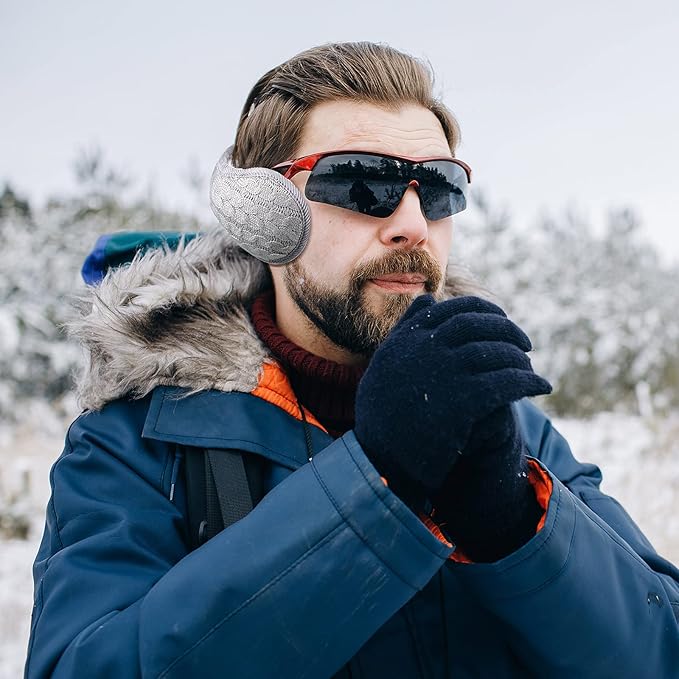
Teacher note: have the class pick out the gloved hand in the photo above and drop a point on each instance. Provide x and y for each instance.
(443, 369)
(486, 505)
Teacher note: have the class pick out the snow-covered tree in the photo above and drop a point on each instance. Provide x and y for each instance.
(600, 309)
(40, 259)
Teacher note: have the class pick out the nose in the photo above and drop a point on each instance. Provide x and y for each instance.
(407, 226)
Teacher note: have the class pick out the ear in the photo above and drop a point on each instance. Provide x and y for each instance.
(265, 213)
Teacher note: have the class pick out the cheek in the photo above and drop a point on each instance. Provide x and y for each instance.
(441, 241)
(327, 227)
(334, 245)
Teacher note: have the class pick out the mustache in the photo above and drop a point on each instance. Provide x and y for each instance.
(400, 261)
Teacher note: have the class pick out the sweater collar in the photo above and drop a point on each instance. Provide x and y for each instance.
(326, 388)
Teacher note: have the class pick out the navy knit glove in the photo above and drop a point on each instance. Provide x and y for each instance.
(487, 505)
(443, 368)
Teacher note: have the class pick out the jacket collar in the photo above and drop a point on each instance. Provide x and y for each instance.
(237, 421)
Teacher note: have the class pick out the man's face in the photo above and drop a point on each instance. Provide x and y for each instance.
(360, 273)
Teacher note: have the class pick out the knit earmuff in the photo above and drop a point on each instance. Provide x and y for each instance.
(264, 212)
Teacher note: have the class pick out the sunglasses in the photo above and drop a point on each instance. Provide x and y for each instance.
(374, 183)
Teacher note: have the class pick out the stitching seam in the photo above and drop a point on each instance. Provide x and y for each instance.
(391, 511)
(355, 532)
(548, 537)
(554, 577)
(186, 439)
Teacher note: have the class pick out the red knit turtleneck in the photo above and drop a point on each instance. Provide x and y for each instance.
(326, 388)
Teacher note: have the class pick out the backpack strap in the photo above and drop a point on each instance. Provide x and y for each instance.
(196, 496)
(225, 471)
(222, 486)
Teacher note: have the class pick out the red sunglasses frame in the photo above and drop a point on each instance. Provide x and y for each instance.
(307, 163)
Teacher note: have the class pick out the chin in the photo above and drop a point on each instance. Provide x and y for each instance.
(382, 302)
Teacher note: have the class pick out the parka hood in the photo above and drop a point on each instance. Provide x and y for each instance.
(178, 317)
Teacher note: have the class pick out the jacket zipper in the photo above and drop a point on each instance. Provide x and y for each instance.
(178, 455)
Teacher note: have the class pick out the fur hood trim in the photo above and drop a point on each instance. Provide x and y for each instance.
(172, 317)
(178, 317)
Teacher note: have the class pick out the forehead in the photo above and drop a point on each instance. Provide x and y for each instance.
(411, 130)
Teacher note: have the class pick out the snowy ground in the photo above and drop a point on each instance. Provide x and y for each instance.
(639, 458)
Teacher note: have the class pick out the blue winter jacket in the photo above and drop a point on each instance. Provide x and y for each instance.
(330, 574)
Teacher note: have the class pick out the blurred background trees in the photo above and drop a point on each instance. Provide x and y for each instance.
(600, 308)
(41, 253)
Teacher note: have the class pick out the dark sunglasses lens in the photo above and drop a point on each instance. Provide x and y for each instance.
(443, 188)
(372, 185)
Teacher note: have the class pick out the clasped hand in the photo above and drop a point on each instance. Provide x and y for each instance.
(440, 372)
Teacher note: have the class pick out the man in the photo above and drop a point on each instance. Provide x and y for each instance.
(420, 519)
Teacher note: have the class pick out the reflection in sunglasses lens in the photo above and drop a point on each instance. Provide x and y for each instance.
(374, 185)
(443, 192)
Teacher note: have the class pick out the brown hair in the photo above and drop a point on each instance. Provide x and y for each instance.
(272, 120)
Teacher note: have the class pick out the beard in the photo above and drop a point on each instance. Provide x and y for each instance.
(344, 315)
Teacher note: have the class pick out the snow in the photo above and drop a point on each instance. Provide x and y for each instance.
(600, 310)
(638, 458)
(16, 599)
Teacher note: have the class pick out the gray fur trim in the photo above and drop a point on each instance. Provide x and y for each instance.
(178, 318)
(460, 282)
(172, 318)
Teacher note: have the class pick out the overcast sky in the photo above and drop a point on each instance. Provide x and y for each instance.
(561, 104)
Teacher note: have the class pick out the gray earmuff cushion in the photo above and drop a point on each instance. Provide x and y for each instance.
(264, 212)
